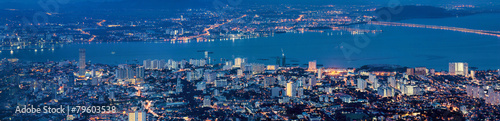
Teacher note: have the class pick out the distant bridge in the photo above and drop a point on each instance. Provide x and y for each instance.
(12, 49)
(474, 31)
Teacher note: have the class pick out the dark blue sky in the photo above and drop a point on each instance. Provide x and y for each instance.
(208, 3)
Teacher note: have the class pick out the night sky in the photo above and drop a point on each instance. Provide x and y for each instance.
(208, 3)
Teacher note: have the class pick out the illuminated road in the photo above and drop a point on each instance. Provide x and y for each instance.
(217, 25)
(100, 23)
(87, 33)
(147, 105)
(474, 31)
(300, 18)
(206, 30)
(92, 38)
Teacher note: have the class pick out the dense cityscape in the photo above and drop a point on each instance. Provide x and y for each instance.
(197, 89)
(205, 87)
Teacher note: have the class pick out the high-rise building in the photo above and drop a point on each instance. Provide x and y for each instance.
(458, 68)
(216, 92)
(158, 64)
(421, 71)
(209, 76)
(228, 65)
(203, 62)
(312, 65)
(472, 74)
(130, 72)
(392, 81)
(432, 72)
(137, 116)
(238, 62)
(95, 81)
(320, 73)
(182, 64)
(269, 81)
(376, 84)
(240, 73)
(271, 67)
(329, 90)
(282, 83)
(125, 71)
(281, 79)
(120, 73)
(477, 92)
(201, 86)
(374, 80)
(493, 97)
(409, 90)
(147, 64)
(410, 71)
(206, 101)
(301, 81)
(206, 54)
(162, 64)
(469, 89)
(361, 84)
(275, 92)
(220, 83)
(386, 91)
(247, 68)
(312, 82)
(139, 72)
(194, 62)
(178, 86)
(190, 76)
(154, 64)
(300, 92)
(257, 68)
(290, 89)
(81, 63)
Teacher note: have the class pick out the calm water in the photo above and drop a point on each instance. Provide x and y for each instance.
(395, 45)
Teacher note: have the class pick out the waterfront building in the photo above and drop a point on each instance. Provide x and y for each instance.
(421, 71)
(458, 68)
(81, 63)
(410, 71)
(312, 65)
(239, 62)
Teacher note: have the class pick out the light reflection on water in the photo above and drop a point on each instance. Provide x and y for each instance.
(395, 45)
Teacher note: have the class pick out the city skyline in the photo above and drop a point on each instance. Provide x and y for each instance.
(249, 60)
